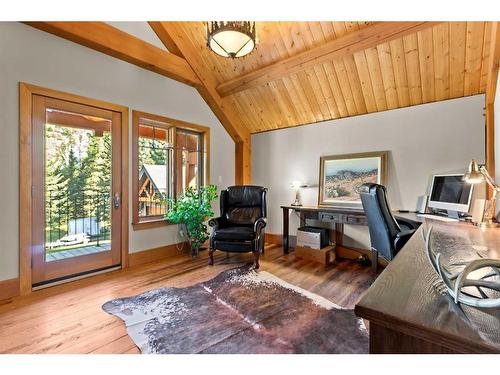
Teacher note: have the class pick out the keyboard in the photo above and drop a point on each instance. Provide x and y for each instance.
(437, 217)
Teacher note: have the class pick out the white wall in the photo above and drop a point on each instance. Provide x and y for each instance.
(140, 30)
(422, 140)
(38, 58)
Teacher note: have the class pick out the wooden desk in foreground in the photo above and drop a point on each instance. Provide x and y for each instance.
(408, 315)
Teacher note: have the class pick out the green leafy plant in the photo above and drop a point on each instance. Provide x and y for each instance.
(192, 208)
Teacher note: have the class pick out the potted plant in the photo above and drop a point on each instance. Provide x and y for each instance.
(191, 209)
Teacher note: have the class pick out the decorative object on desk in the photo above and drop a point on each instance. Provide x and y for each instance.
(239, 311)
(422, 204)
(192, 208)
(454, 283)
(296, 185)
(231, 38)
(340, 176)
(477, 174)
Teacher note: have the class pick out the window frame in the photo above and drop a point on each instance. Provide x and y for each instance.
(146, 223)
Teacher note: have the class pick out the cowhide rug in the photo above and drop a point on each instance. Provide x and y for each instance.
(239, 311)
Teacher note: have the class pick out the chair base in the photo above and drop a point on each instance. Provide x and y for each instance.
(256, 256)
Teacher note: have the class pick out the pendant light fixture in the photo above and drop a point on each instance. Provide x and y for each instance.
(231, 38)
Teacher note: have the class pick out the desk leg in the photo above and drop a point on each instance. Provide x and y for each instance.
(286, 223)
(302, 218)
(339, 235)
(374, 260)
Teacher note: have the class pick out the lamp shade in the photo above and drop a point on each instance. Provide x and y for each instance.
(473, 175)
(232, 38)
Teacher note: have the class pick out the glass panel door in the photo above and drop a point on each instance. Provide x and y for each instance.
(77, 193)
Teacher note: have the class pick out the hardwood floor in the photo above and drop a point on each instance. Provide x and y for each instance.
(68, 318)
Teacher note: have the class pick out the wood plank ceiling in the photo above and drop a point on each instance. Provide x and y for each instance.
(448, 60)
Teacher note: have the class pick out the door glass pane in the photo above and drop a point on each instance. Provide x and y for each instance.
(77, 185)
(190, 159)
(155, 168)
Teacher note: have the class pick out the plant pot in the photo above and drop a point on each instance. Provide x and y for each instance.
(195, 252)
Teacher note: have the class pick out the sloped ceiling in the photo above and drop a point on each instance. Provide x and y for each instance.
(442, 62)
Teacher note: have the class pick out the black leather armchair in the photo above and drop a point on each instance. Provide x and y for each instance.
(240, 227)
(387, 235)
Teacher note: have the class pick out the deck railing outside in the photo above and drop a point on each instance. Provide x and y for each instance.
(78, 216)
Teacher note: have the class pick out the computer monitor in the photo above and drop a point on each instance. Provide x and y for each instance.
(450, 192)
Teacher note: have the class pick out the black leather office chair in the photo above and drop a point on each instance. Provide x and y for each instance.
(240, 227)
(387, 235)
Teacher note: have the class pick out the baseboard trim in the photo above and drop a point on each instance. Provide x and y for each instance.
(9, 288)
(275, 239)
(156, 254)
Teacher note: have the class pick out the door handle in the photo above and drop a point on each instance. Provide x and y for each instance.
(116, 200)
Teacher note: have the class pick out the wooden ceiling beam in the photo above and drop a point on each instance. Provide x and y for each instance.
(491, 87)
(175, 38)
(165, 38)
(113, 42)
(360, 40)
(493, 63)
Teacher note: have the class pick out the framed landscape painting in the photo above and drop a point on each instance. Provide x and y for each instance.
(341, 175)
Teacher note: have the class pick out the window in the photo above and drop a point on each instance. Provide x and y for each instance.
(190, 156)
(169, 156)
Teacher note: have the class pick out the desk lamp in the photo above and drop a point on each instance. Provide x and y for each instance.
(296, 185)
(477, 174)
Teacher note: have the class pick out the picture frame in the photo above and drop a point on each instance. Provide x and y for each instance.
(341, 175)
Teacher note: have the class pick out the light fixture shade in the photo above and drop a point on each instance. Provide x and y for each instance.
(473, 175)
(231, 38)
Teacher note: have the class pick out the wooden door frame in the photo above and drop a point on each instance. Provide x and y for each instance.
(26, 92)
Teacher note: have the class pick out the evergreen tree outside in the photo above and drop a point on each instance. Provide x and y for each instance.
(77, 179)
(78, 166)
(152, 151)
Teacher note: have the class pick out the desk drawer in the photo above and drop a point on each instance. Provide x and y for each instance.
(355, 220)
(330, 217)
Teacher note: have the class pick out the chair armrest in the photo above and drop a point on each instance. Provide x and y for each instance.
(259, 225)
(215, 222)
(406, 224)
(402, 238)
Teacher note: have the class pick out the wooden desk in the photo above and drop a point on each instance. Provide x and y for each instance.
(337, 216)
(408, 315)
(333, 215)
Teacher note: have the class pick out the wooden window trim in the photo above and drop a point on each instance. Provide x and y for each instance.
(148, 223)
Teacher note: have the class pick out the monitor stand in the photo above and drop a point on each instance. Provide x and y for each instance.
(453, 214)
